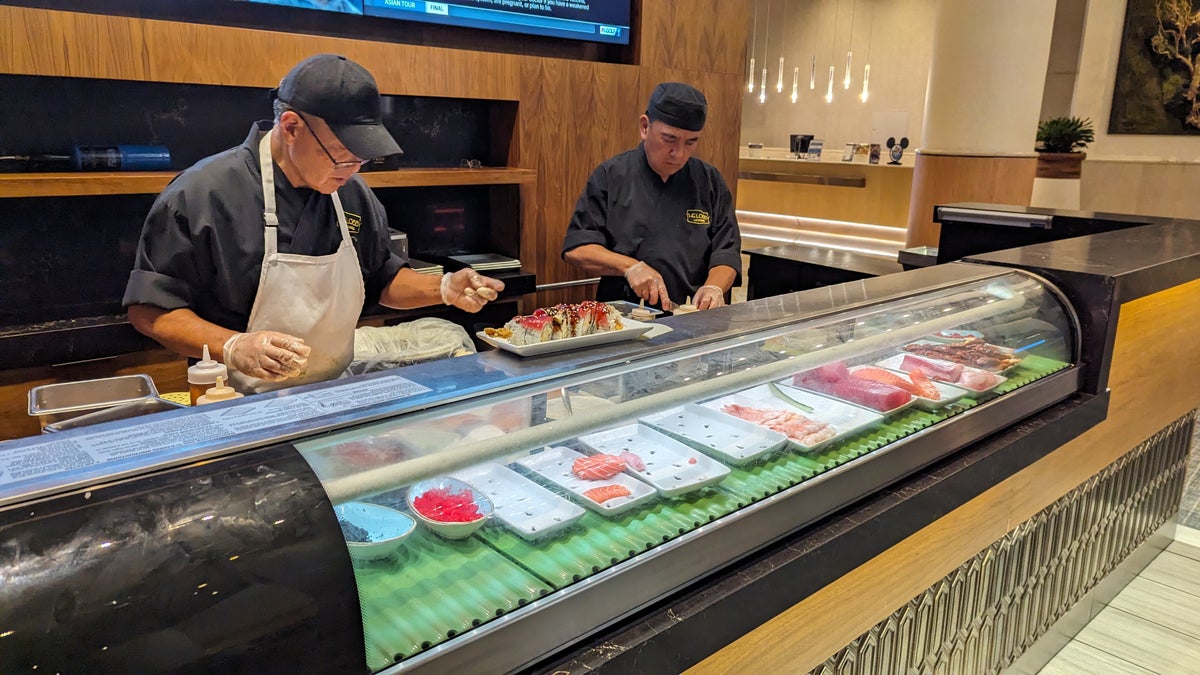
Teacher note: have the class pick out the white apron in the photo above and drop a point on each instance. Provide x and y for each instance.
(317, 298)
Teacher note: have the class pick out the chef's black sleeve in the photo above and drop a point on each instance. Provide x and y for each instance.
(724, 234)
(164, 270)
(379, 263)
(589, 223)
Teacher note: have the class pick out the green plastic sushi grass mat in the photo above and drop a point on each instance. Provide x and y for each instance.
(435, 589)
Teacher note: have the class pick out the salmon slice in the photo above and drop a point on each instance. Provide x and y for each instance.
(926, 385)
(606, 492)
(598, 467)
(922, 388)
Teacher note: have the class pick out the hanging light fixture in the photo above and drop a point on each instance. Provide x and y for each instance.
(812, 74)
(779, 80)
(762, 84)
(867, 68)
(849, 45)
(795, 83)
(829, 89)
(832, 46)
(753, 44)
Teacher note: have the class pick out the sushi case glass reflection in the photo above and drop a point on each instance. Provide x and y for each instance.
(511, 498)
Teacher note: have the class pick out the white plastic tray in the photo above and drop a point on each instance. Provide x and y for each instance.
(523, 506)
(554, 464)
(631, 330)
(729, 439)
(949, 393)
(671, 467)
(894, 363)
(845, 418)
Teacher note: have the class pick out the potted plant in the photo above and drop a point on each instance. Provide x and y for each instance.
(1061, 140)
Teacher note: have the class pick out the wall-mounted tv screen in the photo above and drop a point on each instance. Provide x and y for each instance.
(591, 20)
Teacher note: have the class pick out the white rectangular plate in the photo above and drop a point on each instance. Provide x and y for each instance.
(845, 418)
(671, 467)
(554, 464)
(894, 362)
(523, 506)
(949, 393)
(728, 438)
(631, 330)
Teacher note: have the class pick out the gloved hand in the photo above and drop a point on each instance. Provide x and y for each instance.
(469, 290)
(709, 296)
(649, 285)
(267, 355)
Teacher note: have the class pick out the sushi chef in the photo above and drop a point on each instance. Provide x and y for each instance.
(655, 223)
(267, 252)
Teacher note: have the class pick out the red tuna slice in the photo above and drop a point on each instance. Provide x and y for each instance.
(534, 322)
(828, 379)
(598, 467)
(830, 372)
(606, 492)
(935, 371)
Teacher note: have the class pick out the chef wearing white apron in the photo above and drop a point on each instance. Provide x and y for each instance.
(316, 297)
(213, 260)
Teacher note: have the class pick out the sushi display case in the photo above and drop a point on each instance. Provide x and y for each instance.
(486, 525)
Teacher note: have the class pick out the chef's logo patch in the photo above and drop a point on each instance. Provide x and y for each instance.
(698, 217)
(353, 222)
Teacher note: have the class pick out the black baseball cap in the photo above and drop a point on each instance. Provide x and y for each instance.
(345, 95)
(679, 105)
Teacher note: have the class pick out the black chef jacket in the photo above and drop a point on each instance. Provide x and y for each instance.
(682, 227)
(202, 243)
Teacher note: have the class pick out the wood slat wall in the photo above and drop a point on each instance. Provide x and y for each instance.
(571, 115)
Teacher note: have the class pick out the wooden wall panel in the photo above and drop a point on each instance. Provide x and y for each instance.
(36, 42)
(943, 179)
(1151, 331)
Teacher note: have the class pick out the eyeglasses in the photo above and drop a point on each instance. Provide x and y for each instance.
(347, 164)
(469, 164)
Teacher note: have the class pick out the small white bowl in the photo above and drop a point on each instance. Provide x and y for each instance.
(385, 528)
(445, 529)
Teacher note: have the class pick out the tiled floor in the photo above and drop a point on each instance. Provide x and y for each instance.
(1153, 626)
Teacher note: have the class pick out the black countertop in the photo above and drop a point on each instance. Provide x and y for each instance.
(826, 257)
(1140, 261)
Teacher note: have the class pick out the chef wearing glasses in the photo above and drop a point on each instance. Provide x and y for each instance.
(267, 252)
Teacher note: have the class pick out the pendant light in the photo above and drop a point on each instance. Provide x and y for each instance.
(849, 46)
(795, 83)
(867, 68)
(829, 89)
(762, 84)
(812, 74)
(832, 47)
(753, 44)
(779, 80)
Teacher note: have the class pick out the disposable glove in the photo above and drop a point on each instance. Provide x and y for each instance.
(469, 290)
(649, 285)
(267, 355)
(709, 296)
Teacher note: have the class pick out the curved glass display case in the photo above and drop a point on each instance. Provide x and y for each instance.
(518, 519)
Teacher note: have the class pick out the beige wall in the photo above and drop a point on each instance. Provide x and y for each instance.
(1127, 173)
(895, 35)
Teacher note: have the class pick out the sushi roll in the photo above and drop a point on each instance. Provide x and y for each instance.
(532, 329)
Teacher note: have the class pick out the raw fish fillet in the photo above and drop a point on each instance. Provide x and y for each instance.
(632, 460)
(598, 467)
(935, 371)
(835, 379)
(977, 379)
(606, 492)
(924, 388)
(794, 425)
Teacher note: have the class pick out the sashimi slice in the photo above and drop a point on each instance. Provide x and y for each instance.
(835, 379)
(632, 460)
(794, 425)
(935, 371)
(925, 385)
(598, 467)
(606, 492)
(978, 379)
